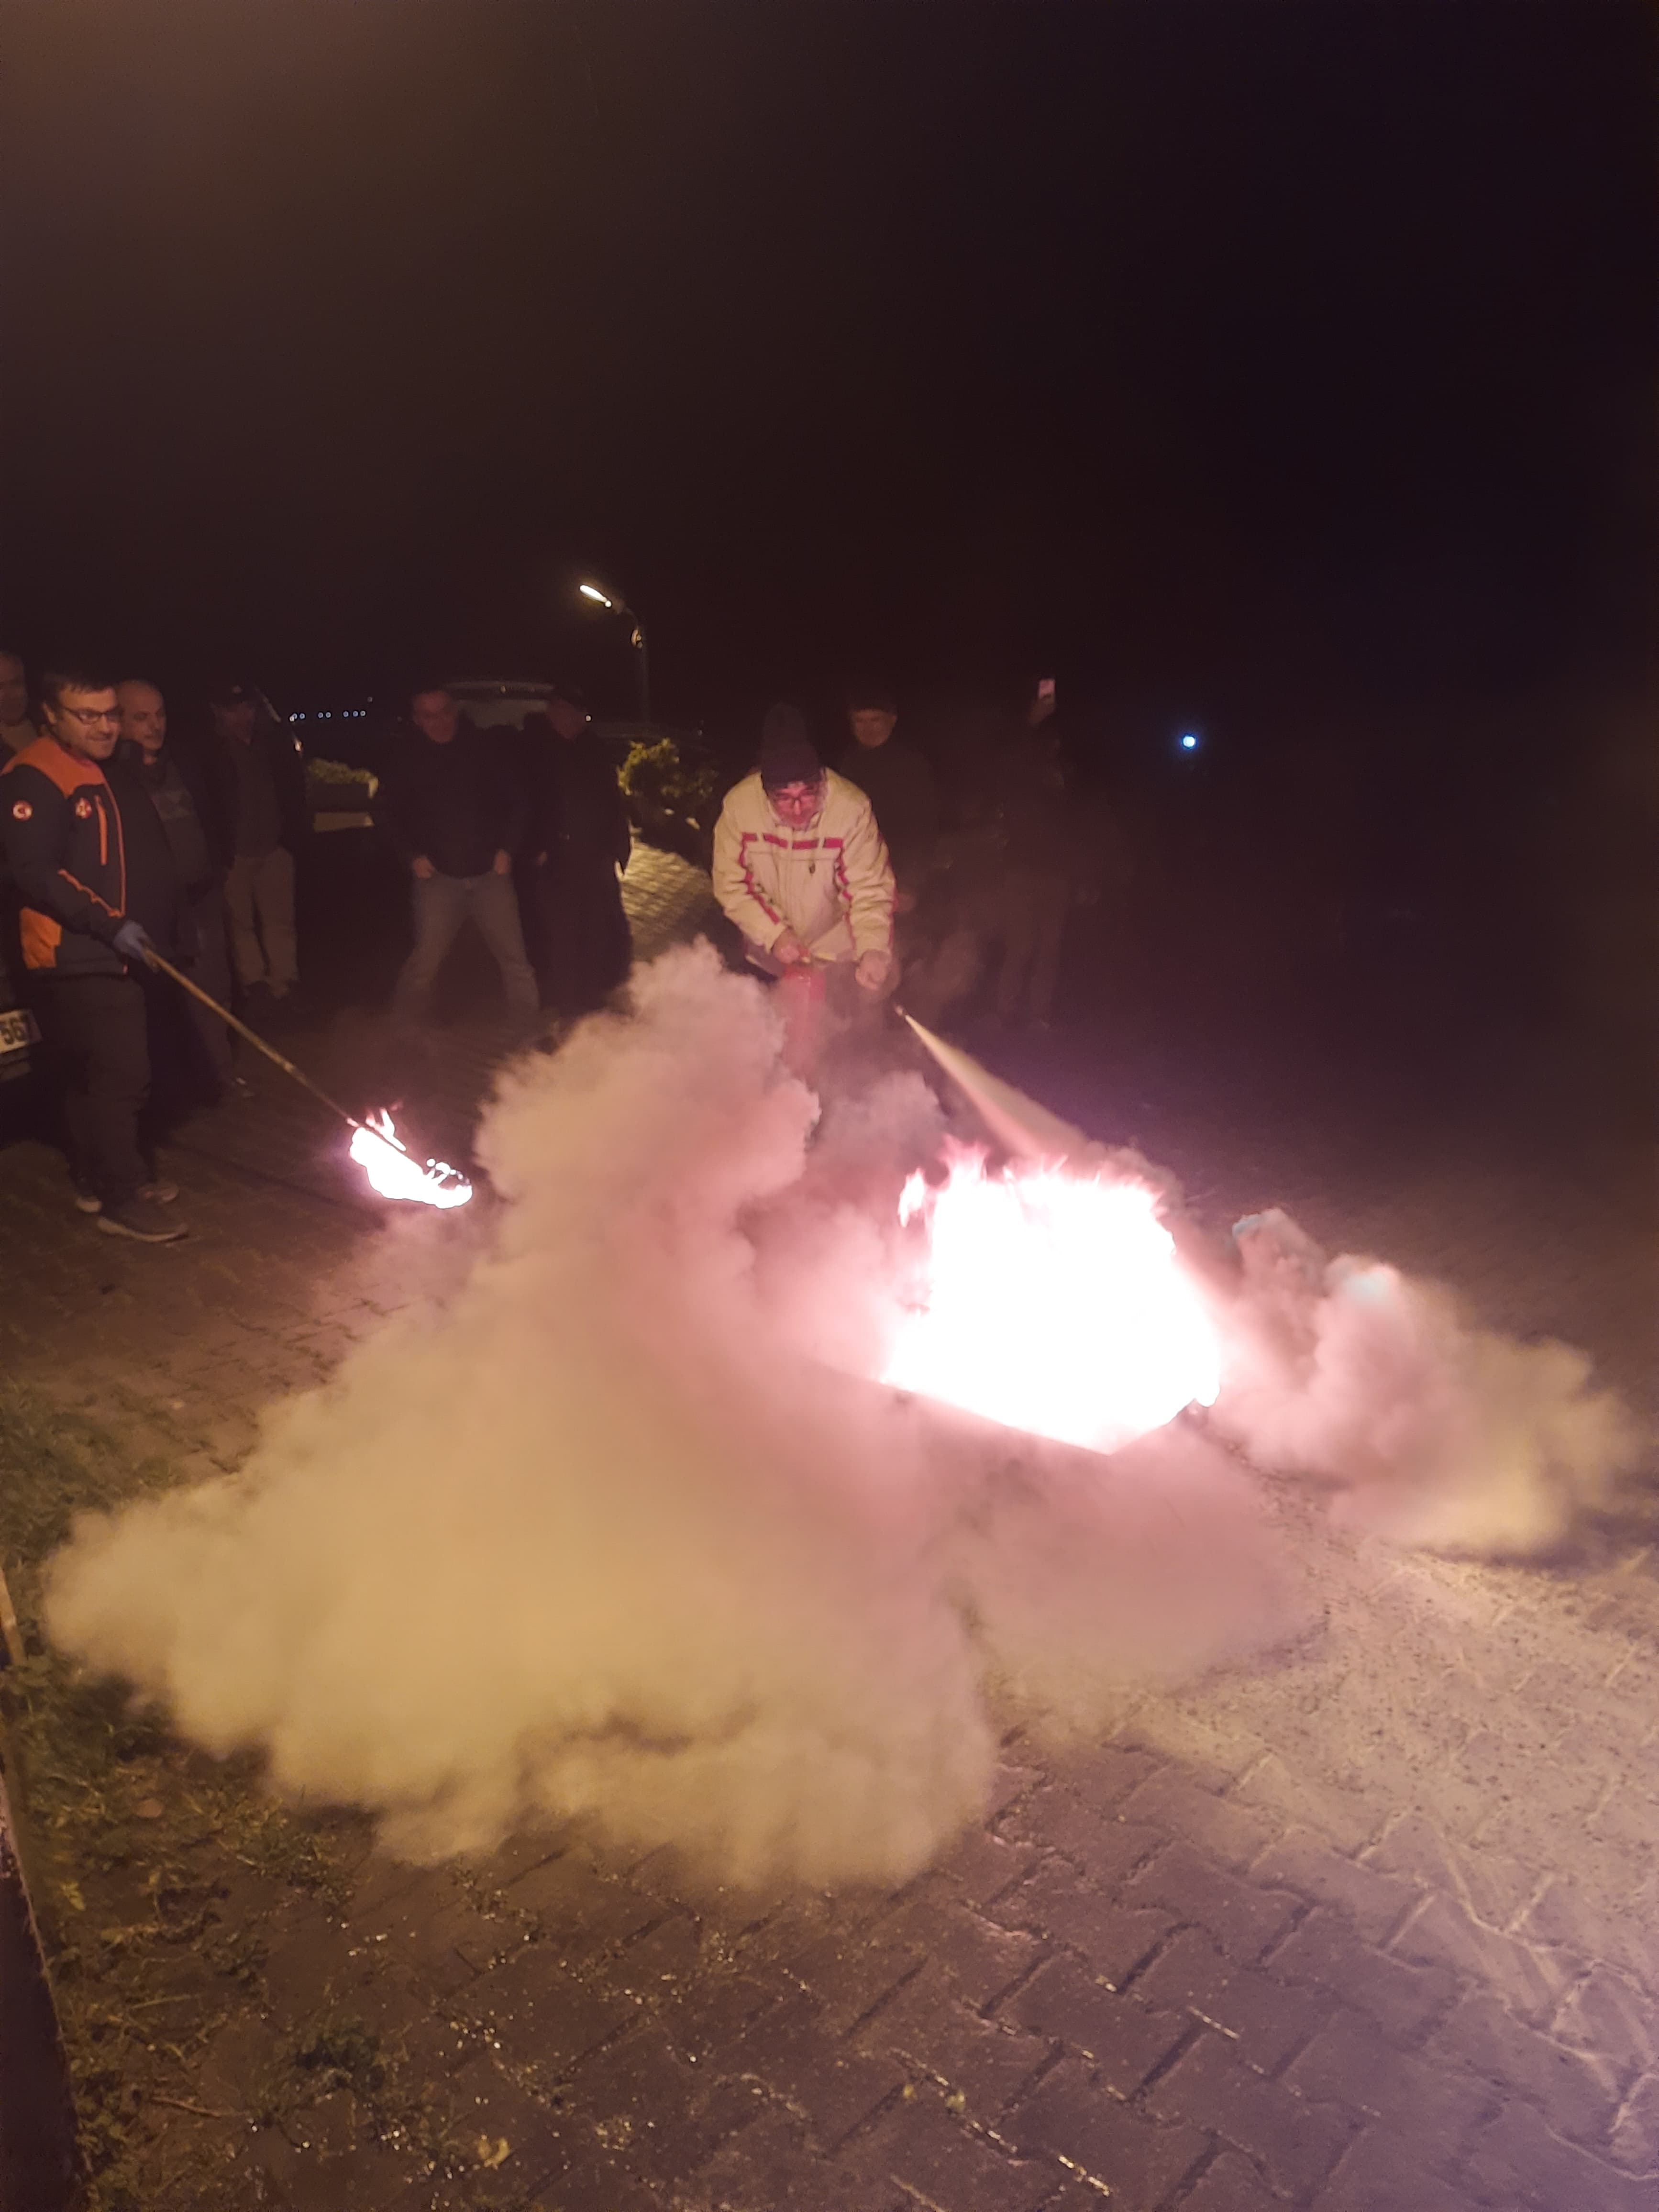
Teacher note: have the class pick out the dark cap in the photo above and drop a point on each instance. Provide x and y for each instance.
(232, 695)
(872, 693)
(787, 754)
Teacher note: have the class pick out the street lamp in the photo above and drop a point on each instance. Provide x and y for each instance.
(613, 605)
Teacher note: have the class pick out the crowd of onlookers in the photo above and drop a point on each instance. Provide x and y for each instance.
(132, 848)
(939, 875)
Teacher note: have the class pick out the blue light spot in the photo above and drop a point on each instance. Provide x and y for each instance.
(1189, 743)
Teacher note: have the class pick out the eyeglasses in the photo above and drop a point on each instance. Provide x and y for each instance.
(91, 714)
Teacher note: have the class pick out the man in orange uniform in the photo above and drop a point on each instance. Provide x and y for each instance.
(96, 878)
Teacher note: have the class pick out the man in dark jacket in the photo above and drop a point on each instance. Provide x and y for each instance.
(935, 951)
(259, 788)
(97, 882)
(898, 783)
(580, 839)
(456, 812)
(176, 782)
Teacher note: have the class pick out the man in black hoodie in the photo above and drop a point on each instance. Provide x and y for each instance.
(457, 813)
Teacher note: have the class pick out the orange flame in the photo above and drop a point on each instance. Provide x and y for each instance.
(380, 1152)
(1053, 1303)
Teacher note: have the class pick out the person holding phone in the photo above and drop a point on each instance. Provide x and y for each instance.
(1046, 867)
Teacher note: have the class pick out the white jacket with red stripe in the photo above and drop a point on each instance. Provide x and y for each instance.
(831, 883)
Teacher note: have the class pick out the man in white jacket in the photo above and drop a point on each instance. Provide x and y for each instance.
(800, 865)
(801, 870)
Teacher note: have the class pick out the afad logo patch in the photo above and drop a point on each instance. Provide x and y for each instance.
(83, 810)
(22, 812)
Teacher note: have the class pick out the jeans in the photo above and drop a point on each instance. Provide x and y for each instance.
(441, 905)
(261, 890)
(95, 1027)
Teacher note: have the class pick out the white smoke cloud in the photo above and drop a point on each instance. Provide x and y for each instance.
(607, 1530)
(612, 1527)
(1434, 1431)
(1437, 1432)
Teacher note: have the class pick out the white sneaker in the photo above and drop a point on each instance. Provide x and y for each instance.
(137, 1219)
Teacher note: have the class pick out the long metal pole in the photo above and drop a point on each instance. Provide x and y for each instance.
(269, 1051)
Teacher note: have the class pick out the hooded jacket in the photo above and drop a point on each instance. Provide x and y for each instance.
(831, 883)
(65, 849)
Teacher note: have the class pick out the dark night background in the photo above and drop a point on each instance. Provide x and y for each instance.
(1286, 370)
(1225, 355)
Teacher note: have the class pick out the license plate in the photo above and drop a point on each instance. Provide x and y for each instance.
(17, 1031)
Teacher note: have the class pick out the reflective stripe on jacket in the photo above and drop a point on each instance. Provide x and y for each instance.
(831, 883)
(62, 842)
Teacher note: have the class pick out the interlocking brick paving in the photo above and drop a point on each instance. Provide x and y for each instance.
(1373, 1928)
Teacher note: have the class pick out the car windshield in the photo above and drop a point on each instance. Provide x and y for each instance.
(493, 703)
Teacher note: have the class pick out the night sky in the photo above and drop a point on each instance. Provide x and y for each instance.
(1223, 357)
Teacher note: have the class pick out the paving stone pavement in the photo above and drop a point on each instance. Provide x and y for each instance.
(1372, 1928)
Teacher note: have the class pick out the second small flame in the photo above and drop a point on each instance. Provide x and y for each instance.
(381, 1153)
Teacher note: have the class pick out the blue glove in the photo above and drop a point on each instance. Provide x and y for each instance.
(132, 941)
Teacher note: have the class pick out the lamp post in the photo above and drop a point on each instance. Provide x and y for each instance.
(613, 605)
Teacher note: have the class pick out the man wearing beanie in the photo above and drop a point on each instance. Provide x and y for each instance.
(801, 870)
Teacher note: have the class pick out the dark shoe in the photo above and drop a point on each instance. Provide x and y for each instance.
(86, 1200)
(159, 1193)
(145, 1223)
